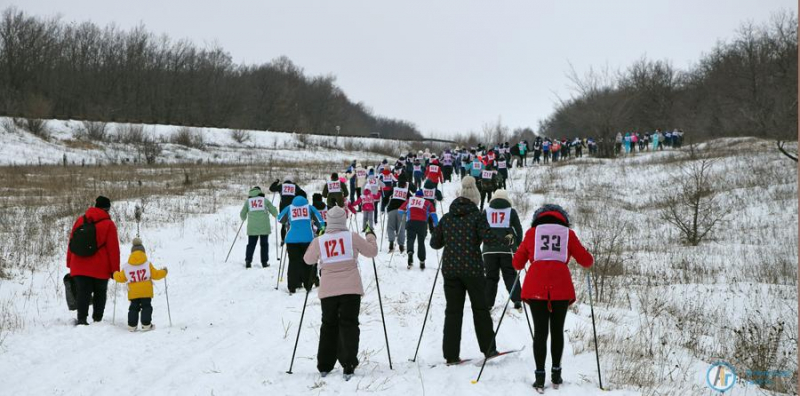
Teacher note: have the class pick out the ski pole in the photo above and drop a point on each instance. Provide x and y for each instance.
(276, 233)
(383, 227)
(114, 315)
(234, 241)
(280, 269)
(499, 323)
(300, 326)
(525, 308)
(383, 319)
(166, 292)
(427, 310)
(594, 330)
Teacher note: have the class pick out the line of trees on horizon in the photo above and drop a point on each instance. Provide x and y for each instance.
(746, 86)
(53, 69)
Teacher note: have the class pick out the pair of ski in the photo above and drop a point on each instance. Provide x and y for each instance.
(411, 266)
(347, 377)
(499, 354)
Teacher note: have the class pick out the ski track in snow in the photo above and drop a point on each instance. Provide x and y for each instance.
(233, 333)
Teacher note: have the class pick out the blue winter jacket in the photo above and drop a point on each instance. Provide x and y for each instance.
(473, 171)
(300, 230)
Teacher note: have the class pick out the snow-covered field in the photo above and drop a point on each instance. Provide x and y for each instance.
(666, 312)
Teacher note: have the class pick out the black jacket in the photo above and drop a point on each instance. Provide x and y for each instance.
(460, 232)
(286, 200)
(514, 229)
(395, 204)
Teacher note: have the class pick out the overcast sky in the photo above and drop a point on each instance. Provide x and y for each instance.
(446, 65)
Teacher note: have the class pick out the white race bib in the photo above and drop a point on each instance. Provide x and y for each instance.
(551, 243)
(334, 186)
(498, 218)
(337, 247)
(417, 202)
(429, 193)
(361, 173)
(433, 168)
(299, 213)
(417, 168)
(324, 214)
(501, 165)
(477, 164)
(136, 273)
(400, 193)
(288, 189)
(256, 204)
(487, 174)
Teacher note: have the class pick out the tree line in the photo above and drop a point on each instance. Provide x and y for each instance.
(746, 86)
(52, 69)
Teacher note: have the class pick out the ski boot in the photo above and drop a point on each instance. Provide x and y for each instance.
(265, 264)
(247, 264)
(349, 372)
(324, 374)
(81, 322)
(391, 247)
(402, 249)
(518, 305)
(555, 377)
(149, 327)
(422, 265)
(131, 328)
(410, 263)
(539, 383)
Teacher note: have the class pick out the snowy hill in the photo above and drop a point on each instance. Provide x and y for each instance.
(661, 318)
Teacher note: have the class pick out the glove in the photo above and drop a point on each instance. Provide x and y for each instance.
(510, 240)
(321, 231)
(165, 270)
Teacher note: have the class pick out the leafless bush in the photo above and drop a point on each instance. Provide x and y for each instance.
(188, 137)
(240, 135)
(93, 131)
(131, 134)
(693, 210)
(606, 237)
(8, 125)
(757, 346)
(150, 148)
(36, 126)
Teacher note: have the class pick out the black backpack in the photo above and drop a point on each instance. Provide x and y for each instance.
(84, 240)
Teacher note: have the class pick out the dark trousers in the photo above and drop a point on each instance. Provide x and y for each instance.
(536, 155)
(455, 291)
(91, 291)
(485, 195)
(386, 196)
(140, 305)
(504, 173)
(495, 264)
(416, 230)
(447, 172)
(251, 247)
(339, 333)
(543, 320)
(299, 274)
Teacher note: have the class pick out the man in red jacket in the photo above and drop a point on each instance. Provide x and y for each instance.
(549, 245)
(91, 274)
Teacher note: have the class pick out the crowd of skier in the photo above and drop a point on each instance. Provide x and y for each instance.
(480, 233)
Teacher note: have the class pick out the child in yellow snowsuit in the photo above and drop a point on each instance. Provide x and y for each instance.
(139, 274)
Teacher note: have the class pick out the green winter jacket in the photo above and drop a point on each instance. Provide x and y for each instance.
(257, 211)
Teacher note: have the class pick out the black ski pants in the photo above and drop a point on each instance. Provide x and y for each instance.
(497, 263)
(299, 274)
(548, 319)
(144, 306)
(339, 333)
(416, 230)
(455, 291)
(251, 248)
(91, 291)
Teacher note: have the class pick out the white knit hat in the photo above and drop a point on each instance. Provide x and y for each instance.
(469, 190)
(501, 194)
(337, 219)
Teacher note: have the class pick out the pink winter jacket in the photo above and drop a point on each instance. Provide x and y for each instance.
(367, 202)
(343, 277)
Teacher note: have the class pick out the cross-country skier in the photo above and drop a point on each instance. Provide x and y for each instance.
(256, 211)
(502, 168)
(447, 165)
(395, 221)
(461, 233)
(334, 191)
(417, 210)
(434, 171)
(488, 183)
(299, 216)
(287, 190)
(368, 201)
(139, 274)
(497, 255)
(340, 291)
(549, 245)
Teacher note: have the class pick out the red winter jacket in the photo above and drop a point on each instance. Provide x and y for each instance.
(418, 214)
(434, 172)
(105, 261)
(549, 279)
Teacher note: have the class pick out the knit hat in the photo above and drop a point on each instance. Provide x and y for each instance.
(337, 219)
(469, 190)
(137, 246)
(102, 203)
(317, 197)
(501, 194)
(553, 210)
(419, 193)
